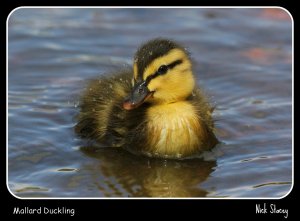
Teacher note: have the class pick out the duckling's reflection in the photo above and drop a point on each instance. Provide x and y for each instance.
(147, 177)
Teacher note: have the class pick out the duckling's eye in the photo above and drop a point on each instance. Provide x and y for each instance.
(162, 69)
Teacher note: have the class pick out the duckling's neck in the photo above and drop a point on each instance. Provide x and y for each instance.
(174, 128)
(169, 98)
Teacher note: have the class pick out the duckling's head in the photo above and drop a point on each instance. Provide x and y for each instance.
(162, 73)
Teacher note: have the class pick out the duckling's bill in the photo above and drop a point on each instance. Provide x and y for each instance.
(139, 94)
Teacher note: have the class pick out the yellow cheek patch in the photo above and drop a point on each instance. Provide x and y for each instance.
(173, 55)
(172, 87)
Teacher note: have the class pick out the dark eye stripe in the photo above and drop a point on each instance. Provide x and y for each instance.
(173, 64)
(170, 66)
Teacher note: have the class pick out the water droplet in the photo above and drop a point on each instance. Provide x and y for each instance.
(76, 104)
(165, 162)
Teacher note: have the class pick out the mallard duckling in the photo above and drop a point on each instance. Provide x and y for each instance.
(154, 109)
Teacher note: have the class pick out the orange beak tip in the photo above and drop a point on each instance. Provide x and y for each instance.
(127, 105)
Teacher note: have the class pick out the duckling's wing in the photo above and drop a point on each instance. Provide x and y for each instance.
(101, 108)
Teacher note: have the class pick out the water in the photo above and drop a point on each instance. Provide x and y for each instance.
(243, 60)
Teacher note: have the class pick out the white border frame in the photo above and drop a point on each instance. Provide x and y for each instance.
(148, 7)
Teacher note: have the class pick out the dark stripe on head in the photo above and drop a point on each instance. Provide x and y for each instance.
(173, 64)
(165, 67)
(152, 50)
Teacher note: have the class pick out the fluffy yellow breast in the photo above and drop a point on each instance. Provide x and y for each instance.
(174, 130)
